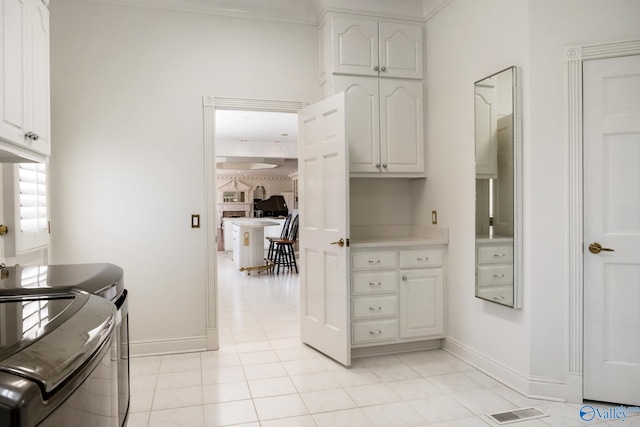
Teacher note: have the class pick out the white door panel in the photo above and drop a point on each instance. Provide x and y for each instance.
(324, 213)
(612, 218)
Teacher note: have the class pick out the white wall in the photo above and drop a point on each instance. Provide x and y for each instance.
(465, 42)
(127, 162)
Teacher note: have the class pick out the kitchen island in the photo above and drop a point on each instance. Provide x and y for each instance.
(248, 243)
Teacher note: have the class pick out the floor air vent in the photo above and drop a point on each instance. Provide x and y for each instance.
(516, 415)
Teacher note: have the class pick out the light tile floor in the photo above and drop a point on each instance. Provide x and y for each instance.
(263, 376)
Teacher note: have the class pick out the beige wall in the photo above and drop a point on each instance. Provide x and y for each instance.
(127, 167)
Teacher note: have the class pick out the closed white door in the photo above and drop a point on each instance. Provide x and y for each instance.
(400, 50)
(363, 131)
(401, 126)
(324, 225)
(612, 220)
(354, 46)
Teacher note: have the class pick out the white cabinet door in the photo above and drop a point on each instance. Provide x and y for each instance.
(401, 126)
(363, 130)
(38, 74)
(324, 221)
(13, 71)
(421, 303)
(354, 48)
(400, 50)
(368, 47)
(24, 88)
(486, 130)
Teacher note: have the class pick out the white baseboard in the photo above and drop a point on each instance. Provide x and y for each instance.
(531, 387)
(167, 346)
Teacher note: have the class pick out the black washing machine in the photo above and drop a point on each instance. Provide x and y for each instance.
(101, 279)
(57, 361)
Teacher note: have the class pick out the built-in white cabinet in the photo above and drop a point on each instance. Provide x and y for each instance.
(494, 269)
(364, 46)
(385, 125)
(397, 294)
(24, 77)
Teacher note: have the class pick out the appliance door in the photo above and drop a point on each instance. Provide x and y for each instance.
(63, 373)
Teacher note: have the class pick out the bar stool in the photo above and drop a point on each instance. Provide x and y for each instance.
(284, 253)
(283, 235)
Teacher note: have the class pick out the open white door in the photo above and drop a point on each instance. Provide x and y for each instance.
(612, 221)
(324, 224)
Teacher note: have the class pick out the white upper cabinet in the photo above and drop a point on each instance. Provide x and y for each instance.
(370, 47)
(24, 89)
(385, 126)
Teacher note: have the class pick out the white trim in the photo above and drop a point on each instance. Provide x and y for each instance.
(531, 387)
(574, 58)
(168, 346)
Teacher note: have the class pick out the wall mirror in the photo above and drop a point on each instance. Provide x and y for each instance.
(498, 189)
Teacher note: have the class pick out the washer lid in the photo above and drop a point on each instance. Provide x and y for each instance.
(102, 279)
(50, 353)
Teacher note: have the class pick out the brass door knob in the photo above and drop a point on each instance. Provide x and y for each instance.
(339, 242)
(596, 248)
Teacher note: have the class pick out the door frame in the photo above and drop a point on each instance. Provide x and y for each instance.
(574, 58)
(209, 105)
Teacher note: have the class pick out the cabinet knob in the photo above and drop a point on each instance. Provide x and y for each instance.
(378, 165)
(32, 136)
(384, 165)
(383, 69)
(405, 278)
(376, 68)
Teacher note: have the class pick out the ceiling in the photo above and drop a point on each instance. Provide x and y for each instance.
(256, 142)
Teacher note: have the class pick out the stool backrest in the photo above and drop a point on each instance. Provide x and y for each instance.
(293, 233)
(285, 227)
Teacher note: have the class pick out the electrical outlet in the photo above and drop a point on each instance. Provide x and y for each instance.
(434, 217)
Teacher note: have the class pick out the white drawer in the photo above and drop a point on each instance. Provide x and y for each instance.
(383, 281)
(495, 254)
(420, 258)
(490, 275)
(373, 331)
(373, 306)
(499, 294)
(373, 259)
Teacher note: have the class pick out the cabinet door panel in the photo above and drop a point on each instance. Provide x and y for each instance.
(421, 303)
(400, 50)
(39, 96)
(401, 126)
(363, 122)
(354, 46)
(12, 73)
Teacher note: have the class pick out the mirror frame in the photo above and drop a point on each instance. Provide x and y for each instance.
(517, 190)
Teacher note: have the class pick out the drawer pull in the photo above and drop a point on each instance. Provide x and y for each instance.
(499, 298)
(422, 258)
(375, 284)
(378, 308)
(498, 276)
(499, 255)
(378, 332)
(371, 261)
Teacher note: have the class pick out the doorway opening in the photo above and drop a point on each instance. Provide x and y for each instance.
(233, 151)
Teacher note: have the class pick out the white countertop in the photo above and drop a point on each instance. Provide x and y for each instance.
(253, 222)
(495, 238)
(381, 242)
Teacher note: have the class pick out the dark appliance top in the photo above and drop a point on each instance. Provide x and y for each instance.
(274, 206)
(103, 279)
